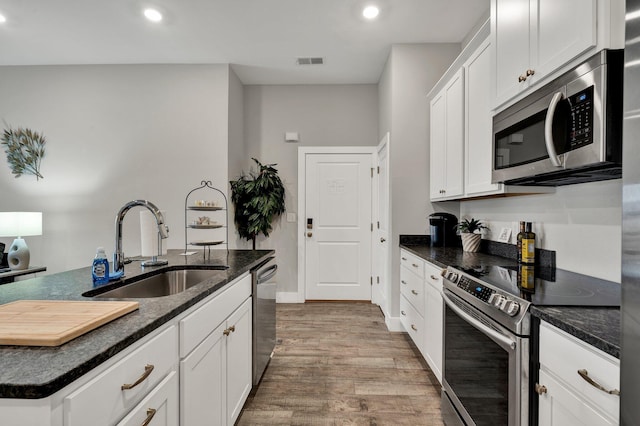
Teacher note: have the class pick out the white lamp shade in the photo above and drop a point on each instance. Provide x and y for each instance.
(20, 224)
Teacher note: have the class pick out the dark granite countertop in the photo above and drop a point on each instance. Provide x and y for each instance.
(598, 326)
(36, 372)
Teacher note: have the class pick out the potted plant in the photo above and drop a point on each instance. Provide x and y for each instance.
(257, 199)
(470, 234)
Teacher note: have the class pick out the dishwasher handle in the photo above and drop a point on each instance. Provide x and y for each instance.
(266, 274)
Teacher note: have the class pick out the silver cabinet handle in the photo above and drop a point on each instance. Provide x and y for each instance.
(382, 240)
(404, 258)
(414, 292)
(585, 375)
(414, 327)
(433, 277)
(403, 313)
(403, 282)
(415, 265)
(147, 371)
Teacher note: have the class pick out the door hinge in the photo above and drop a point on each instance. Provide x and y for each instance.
(378, 224)
(377, 280)
(378, 169)
(372, 227)
(371, 280)
(372, 172)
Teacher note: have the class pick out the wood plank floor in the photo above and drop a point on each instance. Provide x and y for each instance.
(336, 364)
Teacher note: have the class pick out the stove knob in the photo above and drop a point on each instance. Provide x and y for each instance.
(498, 300)
(512, 309)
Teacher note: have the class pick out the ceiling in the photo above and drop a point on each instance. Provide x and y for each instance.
(261, 38)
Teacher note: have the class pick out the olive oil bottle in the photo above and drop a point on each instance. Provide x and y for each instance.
(519, 241)
(528, 251)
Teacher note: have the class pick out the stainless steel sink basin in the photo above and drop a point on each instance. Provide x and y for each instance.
(164, 283)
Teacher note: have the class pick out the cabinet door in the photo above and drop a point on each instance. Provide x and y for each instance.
(203, 382)
(510, 22)
(554, 42)
(561, 407)
(239, 352)
(437, 144)
(478, 151)
(454, 164)
(159, 408)
(433, 330)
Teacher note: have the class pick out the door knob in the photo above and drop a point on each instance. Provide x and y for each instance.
(382, 240)
(309, 234)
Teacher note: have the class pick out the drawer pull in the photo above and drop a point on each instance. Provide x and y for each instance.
(585, 375)
(226, 332)
(232, 328)
(403, 313)
(150, 413)
(414, 327)
(403, 282)
(147, 371)
(433, 277)
(415, 265)
(540, 389)
(414, 292)
(404, 258)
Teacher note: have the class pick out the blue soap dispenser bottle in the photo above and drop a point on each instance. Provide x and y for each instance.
(100, 268)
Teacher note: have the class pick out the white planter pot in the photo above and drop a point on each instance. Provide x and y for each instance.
(471, 242)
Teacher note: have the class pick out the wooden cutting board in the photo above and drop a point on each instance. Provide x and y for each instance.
(54, 322)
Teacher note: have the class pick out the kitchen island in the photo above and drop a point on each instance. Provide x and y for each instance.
(37, 372)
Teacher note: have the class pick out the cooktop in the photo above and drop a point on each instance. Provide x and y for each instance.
(547, 286)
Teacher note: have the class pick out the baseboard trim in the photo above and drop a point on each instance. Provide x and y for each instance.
(393, 323)
(288, 297)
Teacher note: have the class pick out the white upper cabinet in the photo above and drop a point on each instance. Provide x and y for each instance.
(477, 132)
(535, 40)
(447, 140)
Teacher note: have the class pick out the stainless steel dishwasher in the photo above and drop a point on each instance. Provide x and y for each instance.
(264, 315)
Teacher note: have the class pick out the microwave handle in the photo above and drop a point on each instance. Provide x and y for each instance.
(548, 129)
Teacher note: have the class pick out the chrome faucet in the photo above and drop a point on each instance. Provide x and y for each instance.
(163, 230)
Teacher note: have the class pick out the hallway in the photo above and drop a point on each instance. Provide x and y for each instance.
(336, 364)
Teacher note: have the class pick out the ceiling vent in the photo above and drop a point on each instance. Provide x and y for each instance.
(310, 61)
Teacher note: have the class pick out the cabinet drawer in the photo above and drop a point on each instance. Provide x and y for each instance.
(160, 406)
(432, 276)
(197, 326)
(102, 401)
(412, 287)
(413, 322)
(412, 263)
(562, 355)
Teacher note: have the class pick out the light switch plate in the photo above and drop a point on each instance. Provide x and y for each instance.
(291, 217)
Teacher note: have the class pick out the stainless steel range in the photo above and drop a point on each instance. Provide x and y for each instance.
(487, 336)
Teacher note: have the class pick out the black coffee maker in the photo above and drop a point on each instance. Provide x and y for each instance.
(443, 230)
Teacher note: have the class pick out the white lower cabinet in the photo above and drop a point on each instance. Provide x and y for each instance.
(570, 373)
(421, 308)
(215, 379)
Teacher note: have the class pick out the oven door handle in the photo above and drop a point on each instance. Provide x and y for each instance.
(499, 337)
(548, 129)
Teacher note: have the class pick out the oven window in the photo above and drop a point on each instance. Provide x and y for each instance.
(477, 370)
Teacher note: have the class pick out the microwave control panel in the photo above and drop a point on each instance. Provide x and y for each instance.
(581, 119)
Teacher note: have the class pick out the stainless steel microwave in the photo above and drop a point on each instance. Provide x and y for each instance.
(569, 131)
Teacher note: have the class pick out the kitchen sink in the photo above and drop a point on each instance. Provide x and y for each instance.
(164, 283)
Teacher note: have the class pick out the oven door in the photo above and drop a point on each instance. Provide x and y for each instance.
(486, 369)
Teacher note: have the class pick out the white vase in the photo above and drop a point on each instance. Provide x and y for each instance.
(18, 255)
(471, 242)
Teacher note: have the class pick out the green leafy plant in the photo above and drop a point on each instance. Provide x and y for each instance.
(258, 198)
(24, 149)
(470, 226)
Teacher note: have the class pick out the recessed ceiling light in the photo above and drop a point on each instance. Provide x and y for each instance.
(153, 15)
(370, 12)
(2, 19)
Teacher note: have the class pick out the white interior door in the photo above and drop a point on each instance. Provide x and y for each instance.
(381, 240)
(338, 226)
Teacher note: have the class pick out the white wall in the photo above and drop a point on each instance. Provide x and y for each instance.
(411, 71)
(582, 223)
(114, 133)
(327, 115)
